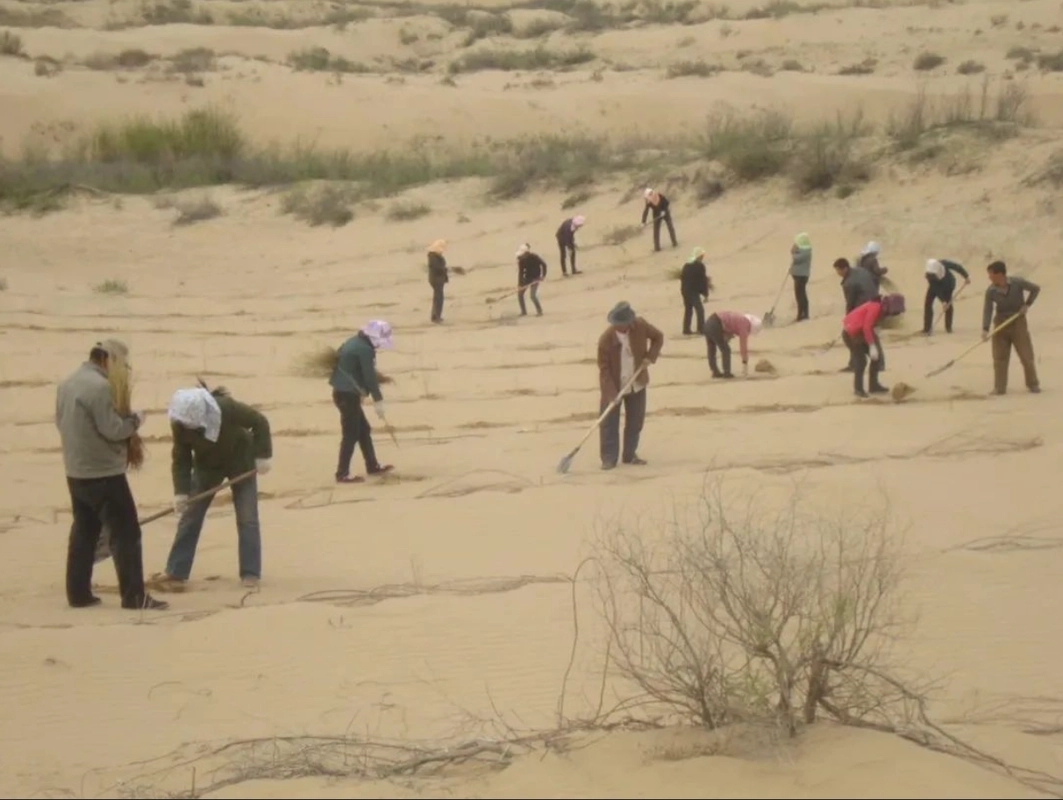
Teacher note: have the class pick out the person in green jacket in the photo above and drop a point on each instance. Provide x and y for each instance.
(215, 437)
(801, 271)
(354, 377)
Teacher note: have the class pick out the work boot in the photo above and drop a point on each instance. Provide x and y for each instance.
(607, 465)
(876, 387)
(635, 461)
(149, 603)
(88, 602)
(858, 383)
(379, 469)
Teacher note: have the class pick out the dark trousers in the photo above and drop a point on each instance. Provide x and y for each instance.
(881, 360)
(634, 404)
(1016, 335)
(942, 293)
(96, 502)
(667, 220)
(801, 296)
(716, 339)
(437, 302)
(356, 431)
(693, 307)
(534, 298)
(570, 251)
(860, 353)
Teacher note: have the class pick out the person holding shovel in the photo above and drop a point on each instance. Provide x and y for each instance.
(353, 378)
(625, 351)
(720, 328)
(215, 437)
(1010, 295)
(531, 271)
(437, 277)
(566, 242)
(859, 335)
(95, 438)
(858, 287)
(940, 285)
(694, 287)
(661, 208)
(801, 271)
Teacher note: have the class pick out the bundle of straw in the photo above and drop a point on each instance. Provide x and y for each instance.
(121, 380)
(321, 362)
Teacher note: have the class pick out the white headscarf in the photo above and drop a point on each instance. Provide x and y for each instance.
(196, 408)
(524, 248)
(755, 323)
(869, 248)
(935, 268)
(379, 333)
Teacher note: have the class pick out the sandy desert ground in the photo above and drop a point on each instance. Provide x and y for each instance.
(475, 537)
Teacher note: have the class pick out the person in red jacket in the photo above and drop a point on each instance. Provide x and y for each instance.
(860, 336)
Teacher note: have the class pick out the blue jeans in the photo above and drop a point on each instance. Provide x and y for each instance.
(534, 298)
(245, 503)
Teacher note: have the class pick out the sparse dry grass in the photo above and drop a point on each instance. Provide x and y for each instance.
(194, 59)
(865, 67)
(510, 60)
(1050, 62)
(970, 67)
(34, 18)
(111, 286)
(319, 59)
(328, 204)
(10, 44)
(927, 61)
(198, 210)
(620, 234)
(697, 68)
(405, 211)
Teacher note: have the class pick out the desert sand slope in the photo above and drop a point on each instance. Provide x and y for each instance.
(453, 602)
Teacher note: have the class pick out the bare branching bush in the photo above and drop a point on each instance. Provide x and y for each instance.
(827, 157)
(327, 204)
(620, 234)
(741, 611)
(199, 210)
(996, 116)
(754, 147)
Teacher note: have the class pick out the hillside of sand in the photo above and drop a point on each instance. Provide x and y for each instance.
(448, 608)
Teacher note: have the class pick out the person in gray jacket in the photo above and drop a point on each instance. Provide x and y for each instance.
(859, 287)
(95, 438)
(801, 271)
(353, 378)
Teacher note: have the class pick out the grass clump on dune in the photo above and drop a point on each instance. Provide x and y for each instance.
(512, 60)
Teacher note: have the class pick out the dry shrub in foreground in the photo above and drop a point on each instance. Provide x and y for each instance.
(743, 612)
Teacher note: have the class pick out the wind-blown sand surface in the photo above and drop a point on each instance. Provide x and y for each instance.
(95, 701)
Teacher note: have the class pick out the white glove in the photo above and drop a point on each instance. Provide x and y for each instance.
(262, 465)
(180, 503)
(139, 417)
(873, 352)
(378, 407)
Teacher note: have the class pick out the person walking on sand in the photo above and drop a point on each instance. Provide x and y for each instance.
(801, 271)
(630, 342)
(940, 285)
(868, 260)
(860, 336)
(719, 329)
(694, 287)
(1010, 295)
(858, 287)
(566, 242)
(215, 437)
(662, 212)
(531, 271)
(353, 378)
(95, 441)
(437, 277)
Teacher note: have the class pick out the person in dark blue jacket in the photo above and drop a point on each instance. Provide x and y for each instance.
(940, 285)
(354, 377)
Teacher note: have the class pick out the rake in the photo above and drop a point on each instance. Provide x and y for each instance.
(982, 341)
(493, 300)
(103, 546)
(566, 462)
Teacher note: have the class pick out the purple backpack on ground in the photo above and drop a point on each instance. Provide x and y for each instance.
(892, 304)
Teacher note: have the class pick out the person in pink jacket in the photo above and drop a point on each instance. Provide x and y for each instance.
(860, 336)
(720, 328)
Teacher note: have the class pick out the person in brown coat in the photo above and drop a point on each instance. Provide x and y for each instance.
(630, 342)
(1010, 296)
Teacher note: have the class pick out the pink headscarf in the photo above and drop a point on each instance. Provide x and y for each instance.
(577, 222)
(379, 333)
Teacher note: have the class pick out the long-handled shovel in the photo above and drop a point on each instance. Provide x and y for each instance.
(769, 318)
(987, 337)
(566, 462)
(103, 546)
(947, 306)
(493, 300)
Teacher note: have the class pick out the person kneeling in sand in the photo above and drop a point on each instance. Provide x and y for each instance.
(215, 437)
(860, 336)
(719, 329)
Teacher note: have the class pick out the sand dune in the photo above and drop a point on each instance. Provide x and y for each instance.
(450, 582)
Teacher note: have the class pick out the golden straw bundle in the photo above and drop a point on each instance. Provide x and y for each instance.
(121, 380)
(321, 362)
